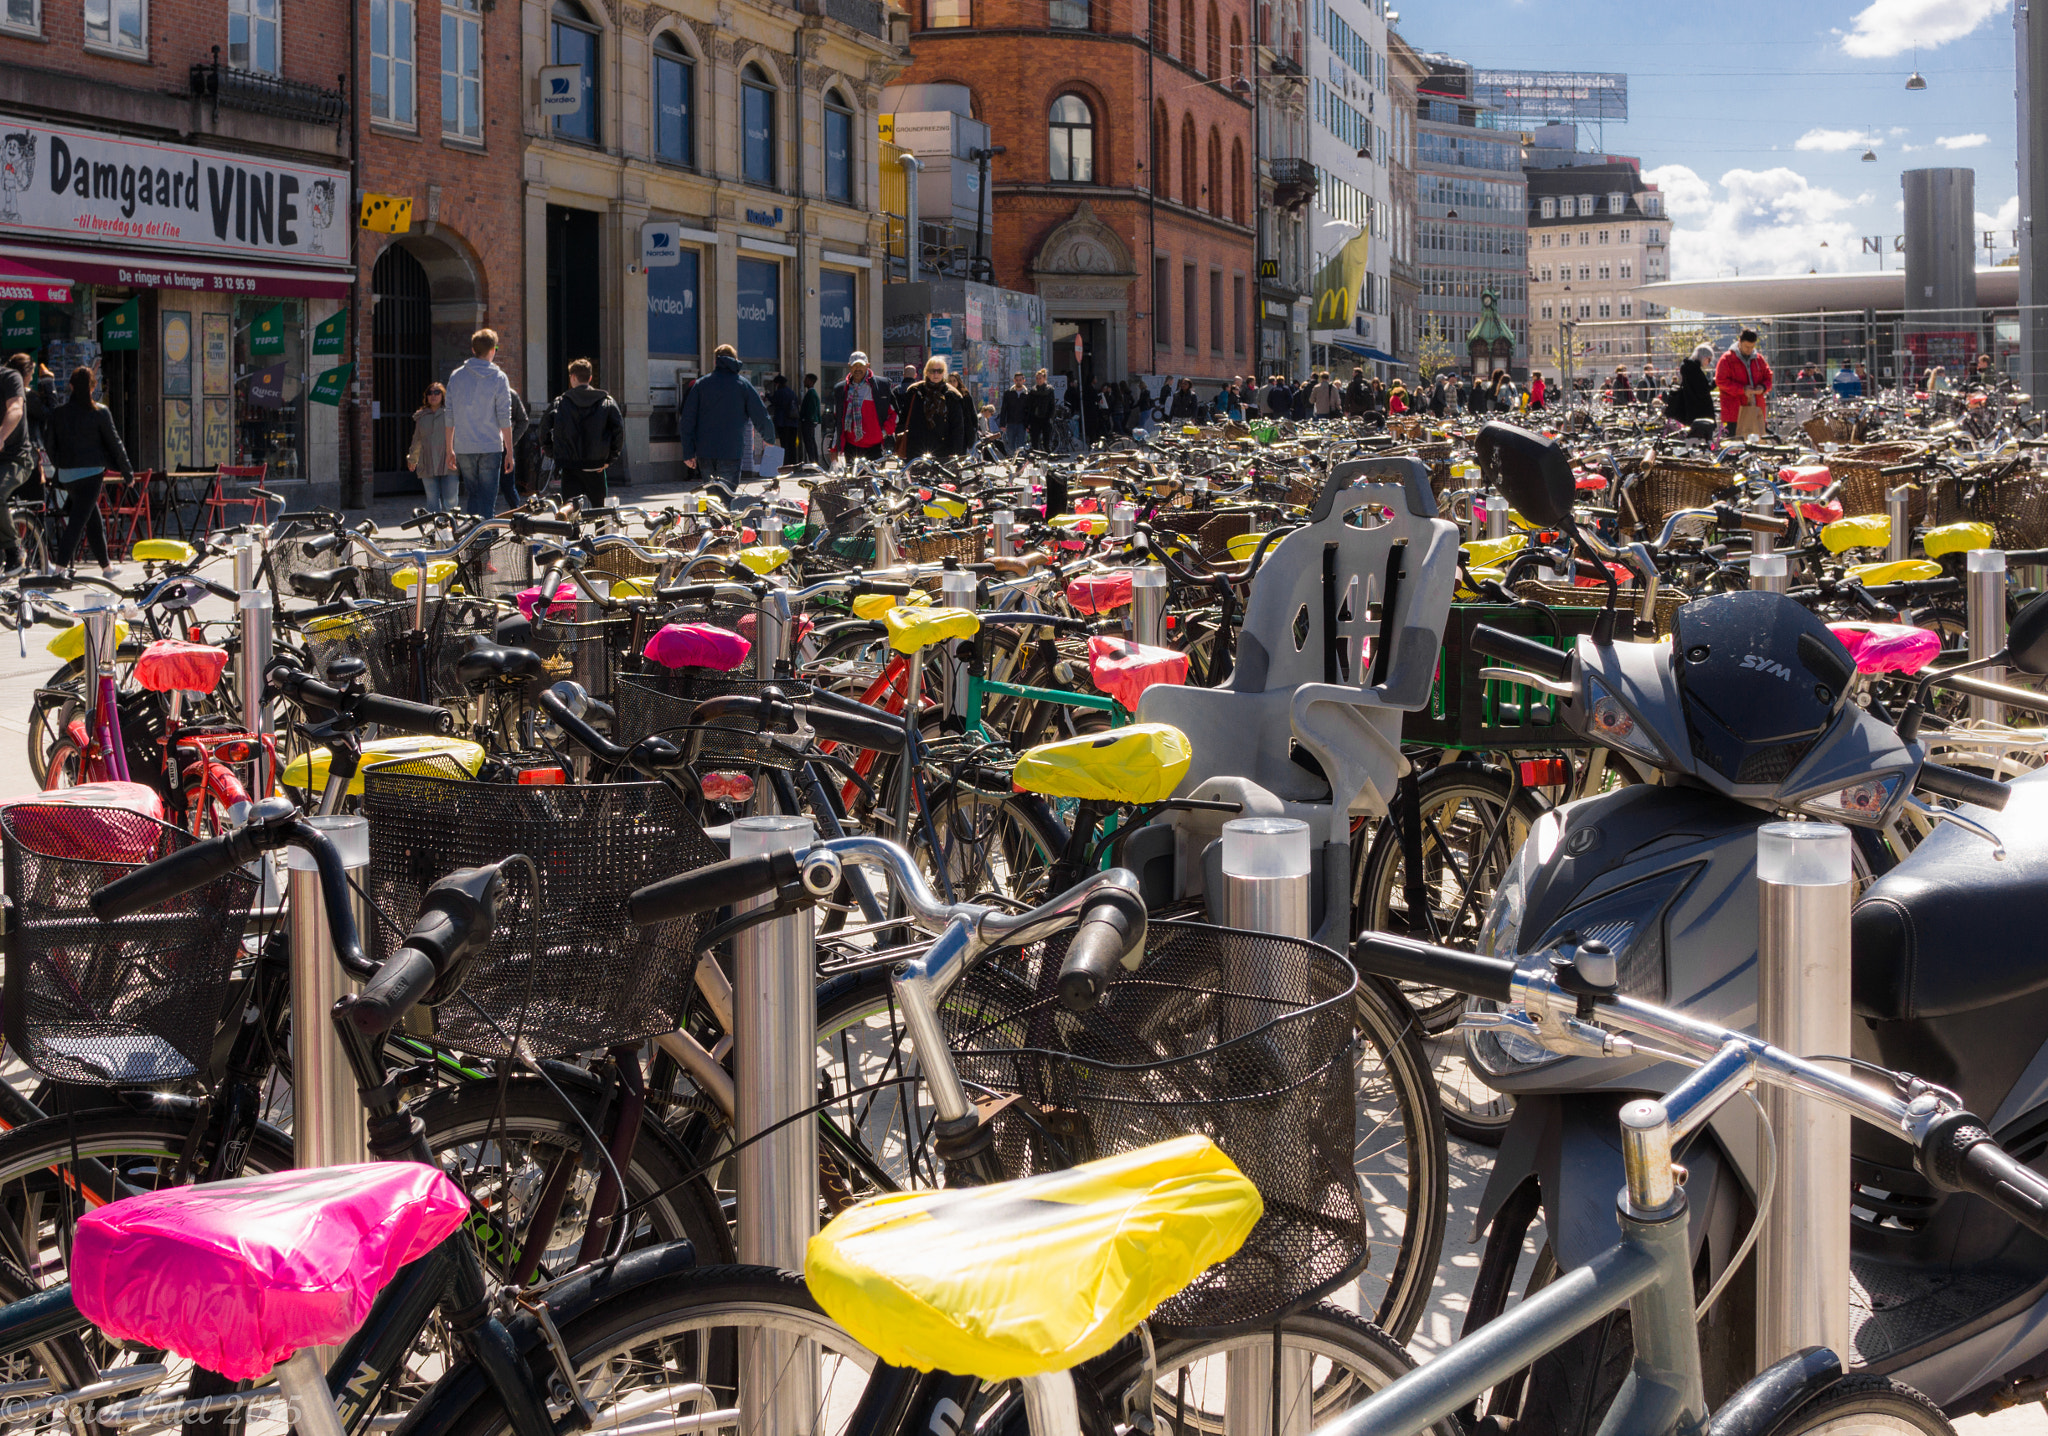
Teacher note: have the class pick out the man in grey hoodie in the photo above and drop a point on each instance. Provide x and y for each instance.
(480, 424)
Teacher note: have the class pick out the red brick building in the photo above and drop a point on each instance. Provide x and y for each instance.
(1125, 194)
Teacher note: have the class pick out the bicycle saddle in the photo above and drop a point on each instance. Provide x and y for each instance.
(1034, 1276)
(697, 645)
(172, 664)
(1899, 570)
(163, 550)
(438, 574)
(1860, 531)
(238, 1275)
(70, 644)
(1139, 763)
(1100, 592)
(1124, 669)
(912, 630)
(1958, 538)
(320, 582)
(486, 661)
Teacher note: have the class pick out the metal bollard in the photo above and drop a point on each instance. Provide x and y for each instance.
(327, 1124)
(1148, 605)
(1896, 509)
(775, 1076)
(1123, 520)
(957, 589)
(888, 552)
(1496, 517)
(1770, 572)
(1803, 879)
(771, 634)
(1003, 525)
(1986, 589)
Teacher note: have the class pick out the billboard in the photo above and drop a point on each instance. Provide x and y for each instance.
(1552, 94)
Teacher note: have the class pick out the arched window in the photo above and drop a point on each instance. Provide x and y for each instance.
(1189, 195)
(1159, 24)
(1162, 158)
(1187, 32)
(1237, 180)
(572, 38)
(1236, 49)
(1215, 205)
(838, 148)
(1072, 132)
(757, 127)
(675, 102)
(1212, 64)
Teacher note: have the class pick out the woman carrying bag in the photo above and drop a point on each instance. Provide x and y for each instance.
(83, 446)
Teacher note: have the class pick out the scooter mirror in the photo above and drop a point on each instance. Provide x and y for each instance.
(2026, 641)
(1531, 470)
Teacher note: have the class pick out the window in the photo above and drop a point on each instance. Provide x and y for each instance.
(1585, 272)
(1187, 33)
(1215, 205)
(1566, 207)
(116, 24)
(948, 14)
(252, 35)
(1617, 204)
(757, 127)
(1236, 48)
(1627, 270)
(1162, 303)
(1159, 25)
(1546, 311)
(1546, 274)
(672, 311)
(1606, 271)
(1237, 310)
(1068, 14)
(1190, 330)
(1546, 241)
(1213, 64)
(1237, 181)
(1628, 309)
(462, 73)
(1586, 206)
(1216, 310)
(838, 291)
(838, 148)
(1605, 309)
(22, 15)
(675, 102)
(391, 61)
(1656, 235)
(1585, 311)
(1653, 204)
(1071, 127)
(1189, 194)
(1605, 236)
(759, 284)
(572, 41)
(1625, 235)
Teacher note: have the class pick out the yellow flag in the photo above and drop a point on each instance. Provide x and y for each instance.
(1336, 286)
(387, 213)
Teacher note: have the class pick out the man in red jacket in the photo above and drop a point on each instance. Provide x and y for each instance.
(1744, 377)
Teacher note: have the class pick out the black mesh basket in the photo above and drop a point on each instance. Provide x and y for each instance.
(500, 569)
(382, 638)
(569, 969)
(666, 703)
(1242, 1037)
(112, 1004)
(591, 652)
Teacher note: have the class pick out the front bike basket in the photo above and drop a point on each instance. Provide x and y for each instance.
(112, 1004)
(1242, 1037)
(666, 704)
(565, 969)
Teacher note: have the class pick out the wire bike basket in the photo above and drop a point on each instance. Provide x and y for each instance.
(383, 638)
(565, 966)
(112, 1004)
(666, 704)
(1242, 1037)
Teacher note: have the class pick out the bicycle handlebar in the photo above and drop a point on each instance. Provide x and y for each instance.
(1553, 663)
(1963, 787)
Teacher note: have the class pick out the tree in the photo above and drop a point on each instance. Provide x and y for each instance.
(1434, 351)
(1680, 342)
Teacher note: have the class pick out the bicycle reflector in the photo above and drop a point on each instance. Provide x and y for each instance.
(542, 777)
(1545, 772)
(729, 787)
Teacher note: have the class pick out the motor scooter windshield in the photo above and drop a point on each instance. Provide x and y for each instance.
(1761, 679)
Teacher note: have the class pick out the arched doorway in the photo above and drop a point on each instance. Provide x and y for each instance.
(426, 304)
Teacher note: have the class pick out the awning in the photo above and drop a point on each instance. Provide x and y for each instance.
(1366, 351)
(142, 270)
(18, 282)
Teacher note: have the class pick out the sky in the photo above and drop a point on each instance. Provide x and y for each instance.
(1752, 116)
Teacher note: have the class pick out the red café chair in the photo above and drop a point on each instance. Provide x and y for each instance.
(213, 508)
(125, 509)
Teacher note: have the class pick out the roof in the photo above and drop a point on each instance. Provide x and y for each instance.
(1811, 293)
(1490, 327)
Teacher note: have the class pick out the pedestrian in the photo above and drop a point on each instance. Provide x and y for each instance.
(585, 435)
(1326, 400)
(427, 456)
(1620, 391)
(1013, 414)
(930, 413)
(809, 417)
(1744, 378)
(903, 385)
(1119, 396)
(966, 417)
(1694, 396)
(1397, 398)
(1863, 378)
(509, 496)
(715, 419)
(783, 406)
(1937, 382)
(1040, 410)
(1986, 377)
(480, 424)
(1185, 407)
(1537, 389)
(84, 445)
(1847, 385)
(19, 465)
(864, 416)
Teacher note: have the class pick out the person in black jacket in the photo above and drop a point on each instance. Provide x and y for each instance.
(1041, 407)
(1694, 396)
(931, 413)
(1186, 406)
(782, 408)
(585, 435)
(966, 416)
(84, 445)
(1013, 414)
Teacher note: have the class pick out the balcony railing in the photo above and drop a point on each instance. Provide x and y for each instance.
(1294, 182)
(271, 95)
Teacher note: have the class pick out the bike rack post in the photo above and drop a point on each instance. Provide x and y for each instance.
(1804, 887)
(771, 634)
(1986, 588)
(1895, 501)
(1770, 572)
(888, 552)
(1148, 605)
(957, 589)
(1123, 520)
(1496, 517)
(1002, 524)
(775, 1077)
(1763, 542)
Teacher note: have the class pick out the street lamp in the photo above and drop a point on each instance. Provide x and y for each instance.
(1914, 81)
(981, 157)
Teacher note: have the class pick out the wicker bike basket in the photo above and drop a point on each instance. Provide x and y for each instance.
(1242, 1037)
(2011, 497)
(565, 967)
(124, 1003)
(967, 545)
(1862, 485)
(1668, 485)
(1565, 595)
(666, 704)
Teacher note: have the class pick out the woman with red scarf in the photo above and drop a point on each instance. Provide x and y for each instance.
(866, 419)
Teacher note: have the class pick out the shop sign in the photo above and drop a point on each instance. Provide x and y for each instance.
(771, 217)
(177, 351)
(81, 184)
(21, 327)
(266, 390)
(330, 335)
(266, 334)
(672, 312)
(122, 329)
(561, 89)
(660, 244)
(386, 213)
(327, 389)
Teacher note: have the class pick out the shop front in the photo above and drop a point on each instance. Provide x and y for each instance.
(199, 283)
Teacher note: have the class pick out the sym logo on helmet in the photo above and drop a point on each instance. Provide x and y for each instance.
(1776, 670)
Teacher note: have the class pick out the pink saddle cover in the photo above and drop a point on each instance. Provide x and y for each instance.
(1810, 477)
(697, 645)
(100, 822)
(1887, 647)
(172, 663)
(1100, 592)
(1124, 669)
(529, 599)
(800, 627)
(238, 1275)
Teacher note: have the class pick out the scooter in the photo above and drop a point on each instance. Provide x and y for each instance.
(1744, 715)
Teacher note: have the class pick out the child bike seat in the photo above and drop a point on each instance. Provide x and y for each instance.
(912, 630)
(239, 1275)
(162, 550)
(1888, 647)
(697, 645)
(1141, 763)
(1898, 570)
(1958, 538)
(1035, 1276)
(172, 664)
(1862, 531)
(1124, 670)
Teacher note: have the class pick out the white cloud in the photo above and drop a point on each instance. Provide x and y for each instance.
(2002, 224)
(1961, 142)
(1833, 140)
(1892, 27)
(1756, 221)
(1911, 149)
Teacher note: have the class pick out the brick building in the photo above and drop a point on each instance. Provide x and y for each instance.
(1124, 196)
(177, 172)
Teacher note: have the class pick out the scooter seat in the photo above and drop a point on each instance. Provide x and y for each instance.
(237, 1276)
(489, 660)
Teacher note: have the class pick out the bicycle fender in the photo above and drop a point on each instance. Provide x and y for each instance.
(449, 1400)
(1765, 1402)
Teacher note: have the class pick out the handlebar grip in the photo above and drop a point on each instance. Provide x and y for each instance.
(1765, 523)
(1409, 961)
(171, 876)
(406, 977)
(220, 590)
(1963, 787)
(714, 886)
(523, 525)
(399, 713)
(1958, 1155)
(1109, 939)
(893, 590)
(324, 543)
(687, 593)
(46, 580)
(1555, 663)
(835, 725)
(420, 521)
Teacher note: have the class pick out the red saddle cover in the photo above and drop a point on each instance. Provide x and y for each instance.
(172, 663)
(1124, 669)
(697, 645)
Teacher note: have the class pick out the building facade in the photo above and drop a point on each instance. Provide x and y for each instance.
(1405, 71)
(1471, 235)
(1123, 195)
(179, 171)
(1287, 185)
(715, 180)
(1351, 138)
(1597, 235)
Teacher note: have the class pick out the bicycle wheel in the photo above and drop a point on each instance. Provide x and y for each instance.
(983, 843)
(1868, 1406)
(63, 1363)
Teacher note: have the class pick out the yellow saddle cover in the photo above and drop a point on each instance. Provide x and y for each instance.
(1139, 763)
(164, 551)
(1035, 1276)
(632, 588)
(1958, 538)
(70, 643)
(1902, 570)
(1488, 553)
(874, 605)
(912, 629)
(945, 510)
(438, 573)
(1857, 531)
(764, 558)
(421, 754)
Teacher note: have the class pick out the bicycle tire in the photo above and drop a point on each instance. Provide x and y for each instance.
(63, 1360)
(1865, 1405)
(988, 842)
